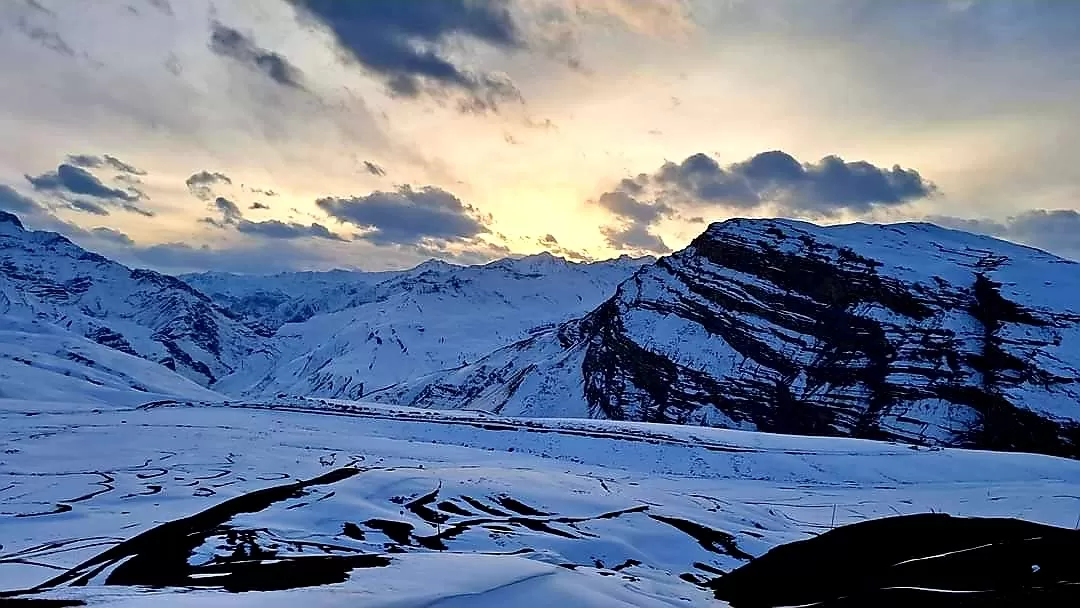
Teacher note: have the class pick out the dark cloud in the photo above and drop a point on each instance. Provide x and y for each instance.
(258, 205)
(408, 216)
(88, 206)
(76, 180)
(402, 43)
(11, 200)
(275, 229)
(776, 179)
(549, 239)
(37, 25)
(230, 213)
(634, 237)
(139, 210)
(40, 217)
(1056, 231)
(231, 43)
(625, 206)
(201, 184)
(830, 186)
(112, 234)
(263, 192)
(89, 161)
(374, 169)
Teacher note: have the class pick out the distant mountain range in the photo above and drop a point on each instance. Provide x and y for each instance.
(352, 333)
(905, 332)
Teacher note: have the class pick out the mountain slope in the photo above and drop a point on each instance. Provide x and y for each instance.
(434, 316)
(906, 332)
(46, 277)
(289, 297)
(45, 363)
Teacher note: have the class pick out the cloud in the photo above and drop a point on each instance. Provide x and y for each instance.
(661, 18)
(625, 206)
(89, 161)
(258, 205)
(112, 234)
(374, 169)
(825, 188)
(76, 180)
(230, 213)
(408, 216)
(231, 43)
(477, 252)
(774, 180)
(38, 24)
(403, 42)
(88, 206)
(634, 237)
(257, 257)
(550, 243)
(11, 200)
(1056, 231)
(202, 183)
(275, 229)
(40, 217)
(231, 216)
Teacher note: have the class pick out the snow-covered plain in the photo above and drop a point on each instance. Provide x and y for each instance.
(463, 508)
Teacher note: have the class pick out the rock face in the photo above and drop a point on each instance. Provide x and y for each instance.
(904, 332)
(46, 278)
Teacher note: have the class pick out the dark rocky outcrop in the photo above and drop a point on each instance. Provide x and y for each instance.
(927, 560)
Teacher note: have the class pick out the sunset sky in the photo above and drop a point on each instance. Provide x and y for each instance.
(270, 135)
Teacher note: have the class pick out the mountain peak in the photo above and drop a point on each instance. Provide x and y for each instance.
(10, 219)
(433, 264)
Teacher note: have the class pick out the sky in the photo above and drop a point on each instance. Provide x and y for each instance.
(261, 136)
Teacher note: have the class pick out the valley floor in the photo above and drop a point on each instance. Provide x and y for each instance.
(421, 508)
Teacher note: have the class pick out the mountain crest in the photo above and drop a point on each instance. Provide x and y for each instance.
(10, 219)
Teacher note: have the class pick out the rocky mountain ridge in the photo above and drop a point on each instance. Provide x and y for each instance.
(905, 332)
(47, 278)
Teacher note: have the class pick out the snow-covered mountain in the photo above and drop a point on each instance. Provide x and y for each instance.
(268, 302)
(42, 362)
(47, 279)
(434, 316)
(905, 332)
